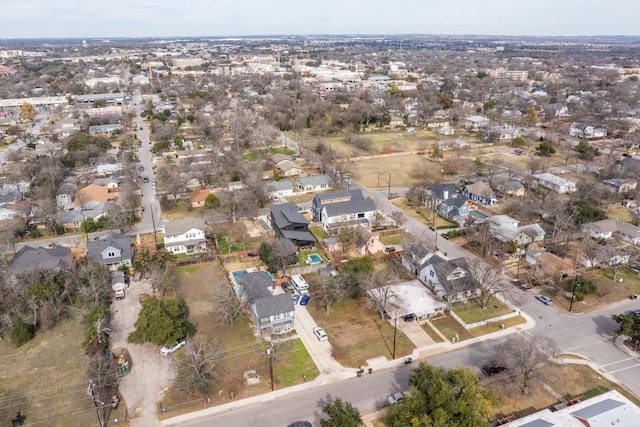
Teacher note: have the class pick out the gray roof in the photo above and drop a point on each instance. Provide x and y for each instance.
(279, 185)
(327, 197)
(279, 157)
(350, 207)
(106, 181)
(538, 423)
(274, 304)
(95, 248)
(29, 258)
(182, 226)
(255, 285)
(602, 407)
(315, 180)
(439, 190)
(298, 235)
(285, 214)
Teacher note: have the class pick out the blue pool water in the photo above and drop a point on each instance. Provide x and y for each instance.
(238, 274)
(314, 259)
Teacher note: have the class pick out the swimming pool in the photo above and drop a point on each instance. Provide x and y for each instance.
(314, 259)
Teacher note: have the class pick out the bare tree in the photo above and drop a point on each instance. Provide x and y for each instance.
(282, 253)
(526, 356)
(489, 279)
(226, 304)
(163, 277)
(328, 290)
(93, 283)
(237, 201)
(380, 293)
(399, 217)
(199, 366)
(614, 257)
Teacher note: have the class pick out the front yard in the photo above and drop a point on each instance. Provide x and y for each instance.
(358, 334)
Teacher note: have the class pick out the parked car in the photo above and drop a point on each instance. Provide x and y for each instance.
(295, 298)
(521, 284)
(286, 286)
(409, 318)
(165, 351)
(300, 424)
(305, 299)
(389, 249)
(544, 299)
(394, 398)
(636, 312)
(635, 267)
(492, 369)
(320, 333)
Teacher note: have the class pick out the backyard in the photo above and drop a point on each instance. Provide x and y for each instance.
(358, 334)
(243, 350)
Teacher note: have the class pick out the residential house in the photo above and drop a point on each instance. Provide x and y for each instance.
(447, 130)
(199, 197)
(235, 186)
(583, 131)
(620, 186)
(114, 251)
(511, 115)
(454, 209)
(408, 298)
(436, 123)
(104, 129)
(480, 192)
(449, 280)
(613, 228)
(288, 222)
(73, 217)
(438, 193)
(288, 168)
(607, 409)
(368, 242)
(312, 184)
(186, 236)
(511, 187)
(271, 314)
(277, 189)
(396, 122)
(29, 259)
(476, 123)
(67, 127)
(343, 209)
(502, 133)
(108, 168)
(507, 229)
(554, 182)
(111, 183)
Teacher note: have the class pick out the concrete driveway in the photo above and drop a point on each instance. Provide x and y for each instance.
(415, 333)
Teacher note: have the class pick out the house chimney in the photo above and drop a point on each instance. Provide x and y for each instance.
(445, 194)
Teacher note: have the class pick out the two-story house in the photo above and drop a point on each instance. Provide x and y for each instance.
(438, 193)
(288, 222)
(476, 123)
(186, 236)
(271, 314)
(456, 209)
(341, 209)
(507, 229)
(115, 250)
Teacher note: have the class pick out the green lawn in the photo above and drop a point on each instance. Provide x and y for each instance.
(448, 326)
(393, 239)
(472, 312)
(494, 327)
(293, 364)
(319, 232)
(223, 246)
(302, 256)
(431, 332)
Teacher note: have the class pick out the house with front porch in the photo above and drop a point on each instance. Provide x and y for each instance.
(507, 229)
(476, 123)
(480, 192)
(611, 228)
(311, 184)
(114, 251)
(276, 189)
(456, 209)
(186, 236)
(271, 314)
(340, 209)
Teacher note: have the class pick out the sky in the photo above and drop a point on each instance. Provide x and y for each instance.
(171, 18)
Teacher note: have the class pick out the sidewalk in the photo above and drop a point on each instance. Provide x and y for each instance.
(335, 375)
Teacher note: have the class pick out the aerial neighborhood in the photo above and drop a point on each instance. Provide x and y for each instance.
(190, 225)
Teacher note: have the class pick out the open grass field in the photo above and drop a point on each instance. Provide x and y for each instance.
(244, 350)
(358, 334)
(404, 171)
(45, 379)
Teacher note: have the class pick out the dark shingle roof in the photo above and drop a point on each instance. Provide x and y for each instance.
(285, 214)
(255, 285)
(115, 240)
(29, 258)
(350, 207)
(274, 304)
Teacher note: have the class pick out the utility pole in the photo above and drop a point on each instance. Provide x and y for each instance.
(389, 188)
(269, 353)
(153, 222)
(395, 330)
(99, 409)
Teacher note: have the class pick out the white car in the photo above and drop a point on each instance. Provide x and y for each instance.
(320, 333)
(165, 351)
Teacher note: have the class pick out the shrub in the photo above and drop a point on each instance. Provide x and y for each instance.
(21, 333)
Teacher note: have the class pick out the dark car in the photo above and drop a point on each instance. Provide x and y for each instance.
(286, 286)
(389, 249)
(409, 318)
(635, 267)
(305, 299)
(521, 284)
(300, 424)
(492, 369)
(145, 179)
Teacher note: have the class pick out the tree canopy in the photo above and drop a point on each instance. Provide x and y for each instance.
(162, 321)
(443, 398)
(341, 414)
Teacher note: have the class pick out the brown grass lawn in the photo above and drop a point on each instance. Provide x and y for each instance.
(359, 334)
(422, 214)
(404, 170)
(243, 349)
(608, 290)
(46, 378)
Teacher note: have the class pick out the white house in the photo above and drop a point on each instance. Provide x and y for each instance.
(311, 184)
(108, 169)
(282, 188)
(613, 228)
(580, 130)
(555, 183)
(507, 229)
(186, 236)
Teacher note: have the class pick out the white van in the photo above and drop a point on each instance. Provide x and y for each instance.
(300, 284)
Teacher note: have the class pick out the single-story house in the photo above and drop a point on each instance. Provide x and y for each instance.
(408, 298)
(476, 123)
(288, 168)
(199, 197)
(311, 184)
(282, 188)
(621, 185)
(480, 192)
(613, 228)
(554, 182)
(29, 259)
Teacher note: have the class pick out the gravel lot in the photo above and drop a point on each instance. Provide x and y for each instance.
(151, 373)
